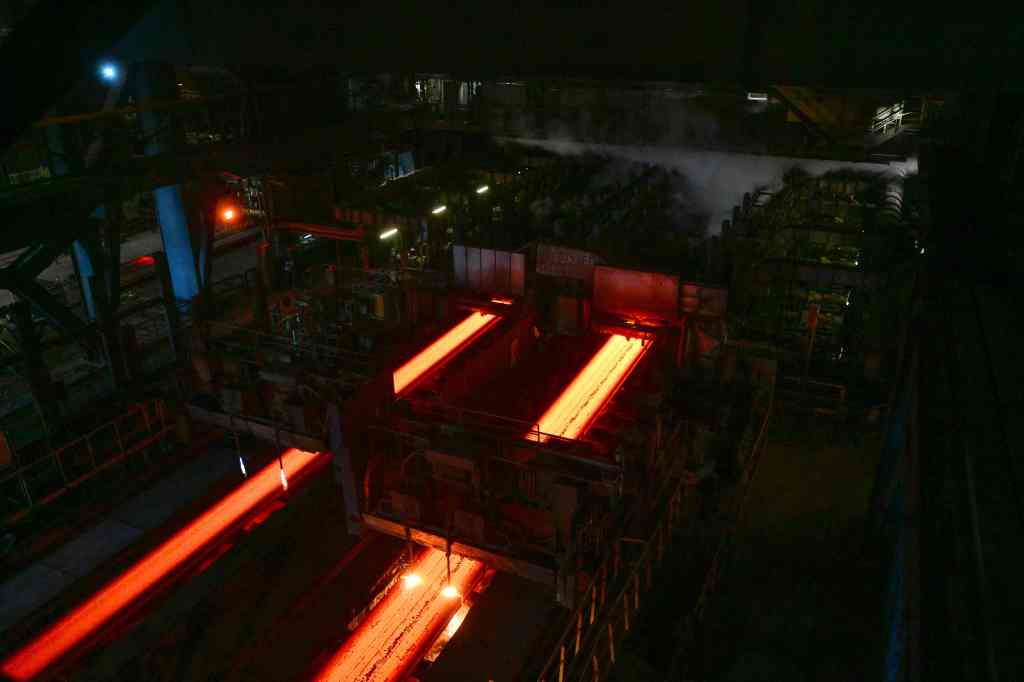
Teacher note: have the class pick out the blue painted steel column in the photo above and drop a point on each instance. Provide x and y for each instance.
(157, 82)
(83, 266)
(170, 211)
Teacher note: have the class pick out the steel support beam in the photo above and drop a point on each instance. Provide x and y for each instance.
(33, 292)
(171, 311)
(257, 428)
(521, 567)
(38, 372)
(344, 475)
(85, 273)
(323, 231)
(35, 259)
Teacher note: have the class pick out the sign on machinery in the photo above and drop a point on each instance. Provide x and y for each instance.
(558, 261)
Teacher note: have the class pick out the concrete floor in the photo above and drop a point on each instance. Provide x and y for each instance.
(30, 589)
(801, 600)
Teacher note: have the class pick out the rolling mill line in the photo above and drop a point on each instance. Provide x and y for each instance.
(311, 373)
(85, 626)
(434, 342)
(74, 632)
(545, 462)
(426, 600)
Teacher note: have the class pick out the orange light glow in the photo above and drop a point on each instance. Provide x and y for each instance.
(440, 351)
(411, 581)
(398, 632)
(574, 410)
(502, 301)
(86, 620)
(228, 214)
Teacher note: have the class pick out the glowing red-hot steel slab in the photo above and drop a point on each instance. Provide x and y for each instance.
(442, 349)
(578, 405)
(398, 632)
(86, 620)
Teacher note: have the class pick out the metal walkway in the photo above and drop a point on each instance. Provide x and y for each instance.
(32, 588)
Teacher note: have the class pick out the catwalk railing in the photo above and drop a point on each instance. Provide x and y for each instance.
(33, 484)
(588, 645)
(250, 342)
(752, 443)
(510, 430)
(491, 451)
(610, 604)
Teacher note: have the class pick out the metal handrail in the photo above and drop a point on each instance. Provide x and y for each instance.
(458, 414)
(586, 649)
(525, 432)
(714, 570)
(156, 429)
(583, 630)
(261, 339)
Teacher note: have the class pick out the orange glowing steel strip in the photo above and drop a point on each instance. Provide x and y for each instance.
(441, 350)
(574, 410)
(401, 628)
(86, 620)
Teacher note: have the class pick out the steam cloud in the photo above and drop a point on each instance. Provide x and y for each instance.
(719, 179)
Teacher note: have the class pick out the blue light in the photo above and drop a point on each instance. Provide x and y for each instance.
(108, 72)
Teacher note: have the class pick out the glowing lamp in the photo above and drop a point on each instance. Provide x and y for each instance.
(388, 234)
(439, 210)
(228, 214)
(482, 189)
(450, 592)
(109, 71)
(411, 580)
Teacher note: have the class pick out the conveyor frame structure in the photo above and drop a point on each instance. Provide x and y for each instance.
(479, 448)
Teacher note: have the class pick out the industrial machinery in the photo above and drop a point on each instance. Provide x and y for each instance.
(500, 427)
(533, 447)
(393, 638)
